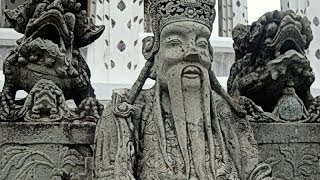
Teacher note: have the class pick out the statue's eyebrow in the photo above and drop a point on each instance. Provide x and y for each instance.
(183, 28)
(174, 32)
(204, 33)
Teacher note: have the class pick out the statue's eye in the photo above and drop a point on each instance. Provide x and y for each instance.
(174, 42)
(203, 44)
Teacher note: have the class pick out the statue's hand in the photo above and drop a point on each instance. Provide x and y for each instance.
(249, 106)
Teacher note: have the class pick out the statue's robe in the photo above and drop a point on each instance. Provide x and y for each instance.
(230, 148)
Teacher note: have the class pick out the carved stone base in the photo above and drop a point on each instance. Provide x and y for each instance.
(293, 150)
(46, 151)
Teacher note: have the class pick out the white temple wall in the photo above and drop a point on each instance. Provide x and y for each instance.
(314, 50)
(298, 6)
(309, 8)
(231, 13)
(114, 56)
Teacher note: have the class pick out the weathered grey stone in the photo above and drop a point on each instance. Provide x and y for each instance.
(46, 151)
(272, 70)
(186, 126)
(53, 31)
(57, 142)
(291, 149)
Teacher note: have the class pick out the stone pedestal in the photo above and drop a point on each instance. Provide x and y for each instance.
(46, 151)
(293, 150)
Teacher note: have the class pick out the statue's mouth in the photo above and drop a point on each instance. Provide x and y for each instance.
(191, 72)
(49, 32)
(288, 38)
(50, 26)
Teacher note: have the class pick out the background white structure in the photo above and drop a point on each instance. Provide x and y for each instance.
(114, 57)
(309, 8)
(298, 6)
(230, 14)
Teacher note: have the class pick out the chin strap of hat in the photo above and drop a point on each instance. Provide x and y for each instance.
(137, 86)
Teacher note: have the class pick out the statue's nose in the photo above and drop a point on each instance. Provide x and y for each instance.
(192, 55)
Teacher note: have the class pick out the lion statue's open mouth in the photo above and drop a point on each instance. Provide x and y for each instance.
(269, 54)
(53, 31)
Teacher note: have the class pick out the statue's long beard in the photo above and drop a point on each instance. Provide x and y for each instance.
(180, 109)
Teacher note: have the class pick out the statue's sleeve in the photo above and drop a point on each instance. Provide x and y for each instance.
(106, 142)
(240, 142)
(114, 150)
(251, 167)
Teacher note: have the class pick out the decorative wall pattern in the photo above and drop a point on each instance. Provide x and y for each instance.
(309, 8)
(46, 151)
(29, 163)
(116, 54)
(231, 13)
(293, 162)
(314, 50)
(298, 6)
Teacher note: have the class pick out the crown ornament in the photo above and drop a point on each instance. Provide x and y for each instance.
(164, 12)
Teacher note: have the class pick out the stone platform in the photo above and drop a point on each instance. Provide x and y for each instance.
(45, 151)
(293, 150)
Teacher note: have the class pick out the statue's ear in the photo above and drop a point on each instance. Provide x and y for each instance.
(148, 47)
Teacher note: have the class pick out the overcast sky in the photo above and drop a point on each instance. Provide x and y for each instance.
(256, 8)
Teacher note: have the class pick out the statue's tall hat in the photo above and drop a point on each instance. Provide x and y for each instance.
(164, 12)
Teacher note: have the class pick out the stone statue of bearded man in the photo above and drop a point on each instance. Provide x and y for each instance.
(186, 126)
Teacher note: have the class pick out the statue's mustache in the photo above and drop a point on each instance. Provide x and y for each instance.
(198, 58)
(194, 57)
